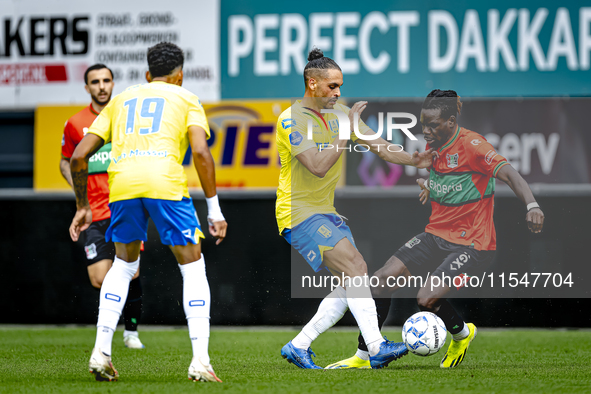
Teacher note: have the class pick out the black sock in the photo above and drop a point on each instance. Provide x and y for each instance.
(383, 307)
(452, 319)
(132, 311)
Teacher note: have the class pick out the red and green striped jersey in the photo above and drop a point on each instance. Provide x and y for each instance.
(462, 183)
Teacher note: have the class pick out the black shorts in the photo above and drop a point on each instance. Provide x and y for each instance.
(96, 247)
(428, 253)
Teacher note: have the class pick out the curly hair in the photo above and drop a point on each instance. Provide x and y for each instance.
(164, 58)
(447, 101)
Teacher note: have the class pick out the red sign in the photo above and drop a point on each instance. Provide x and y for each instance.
(21, 74)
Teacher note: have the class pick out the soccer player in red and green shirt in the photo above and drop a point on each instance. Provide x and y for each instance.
(99, 252)
(460, 236)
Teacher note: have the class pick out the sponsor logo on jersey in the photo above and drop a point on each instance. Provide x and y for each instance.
(490, 155)
(459, 262)
(287, 123)
(443, 188)
(311, 255)
(196, 303)
(476, 142)
(452, 160)
(91, 252)
(412, 242)
(295, 138)
(324, 231)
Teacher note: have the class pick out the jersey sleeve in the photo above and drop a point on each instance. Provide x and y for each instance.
(69, 140)
(292, 135)
(484, 158)
(196, 115)
(102, 124)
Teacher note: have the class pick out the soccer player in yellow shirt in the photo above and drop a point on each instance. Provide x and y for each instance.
(150, 127)
(307, 219)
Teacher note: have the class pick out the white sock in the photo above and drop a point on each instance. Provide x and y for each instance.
(113, 296)
(331, 310)
(362, 354)
(364, 310)
(127, 333)
(199, 333)
(196, 302)
(462, 334)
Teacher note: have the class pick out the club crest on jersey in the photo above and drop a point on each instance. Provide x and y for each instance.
(452, 160)
(324, 231)
(412, 242)
(295, 138)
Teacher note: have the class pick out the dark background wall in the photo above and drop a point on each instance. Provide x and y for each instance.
(43, 275)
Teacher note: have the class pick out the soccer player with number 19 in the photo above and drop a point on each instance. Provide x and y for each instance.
(150, 127)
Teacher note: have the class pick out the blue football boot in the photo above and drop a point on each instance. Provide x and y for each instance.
(389, 351)
(299, 357)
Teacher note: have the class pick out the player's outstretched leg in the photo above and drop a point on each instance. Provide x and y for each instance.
(331, 310)
(360, 359)
(381, 351)
(196, 303)
(101, 366)
(132, 313)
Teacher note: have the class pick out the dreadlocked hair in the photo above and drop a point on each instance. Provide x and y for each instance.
(447, 101)
(318, 64)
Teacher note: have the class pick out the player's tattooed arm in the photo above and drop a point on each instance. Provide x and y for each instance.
(79, 169)
(80, 181)
(535, 216)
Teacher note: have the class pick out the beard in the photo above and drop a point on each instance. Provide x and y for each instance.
(101, 103)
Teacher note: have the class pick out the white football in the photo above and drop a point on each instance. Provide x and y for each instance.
(424, 333)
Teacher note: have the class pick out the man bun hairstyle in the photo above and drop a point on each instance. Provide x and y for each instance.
(98, 66)
(318, 64)
(164, 58)
(447, 101)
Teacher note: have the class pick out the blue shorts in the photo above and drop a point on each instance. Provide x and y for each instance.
(176, 221)
(317, 234)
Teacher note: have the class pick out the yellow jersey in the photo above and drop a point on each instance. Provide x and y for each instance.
(147, 125)
(302, 194)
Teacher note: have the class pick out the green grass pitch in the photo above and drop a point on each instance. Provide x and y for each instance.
(55, 360)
